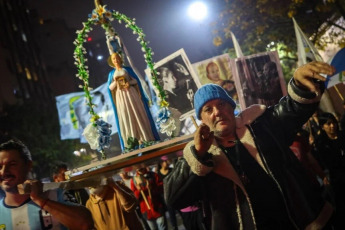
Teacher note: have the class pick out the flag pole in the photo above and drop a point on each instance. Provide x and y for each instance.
(338, 92)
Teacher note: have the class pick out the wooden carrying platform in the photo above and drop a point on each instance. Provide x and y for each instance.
(132, 159)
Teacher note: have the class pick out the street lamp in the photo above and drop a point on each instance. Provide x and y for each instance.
(197, 11)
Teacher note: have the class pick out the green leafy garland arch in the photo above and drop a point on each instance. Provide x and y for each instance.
(101, 16)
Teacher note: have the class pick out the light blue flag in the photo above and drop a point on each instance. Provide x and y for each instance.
(338, 61)
(74, 113)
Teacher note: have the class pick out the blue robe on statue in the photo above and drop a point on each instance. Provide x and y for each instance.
(132, 115)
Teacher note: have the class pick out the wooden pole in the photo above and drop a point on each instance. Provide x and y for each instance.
(138, 182)
(339, 94)
(145, 199)
(194, 122)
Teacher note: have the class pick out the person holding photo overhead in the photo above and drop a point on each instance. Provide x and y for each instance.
(241, 167)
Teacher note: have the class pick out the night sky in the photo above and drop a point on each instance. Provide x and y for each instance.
(165, 22)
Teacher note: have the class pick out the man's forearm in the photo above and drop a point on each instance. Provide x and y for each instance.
(73, 217)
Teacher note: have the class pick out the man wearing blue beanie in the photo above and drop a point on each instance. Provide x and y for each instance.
(242, 169)
(210, 92)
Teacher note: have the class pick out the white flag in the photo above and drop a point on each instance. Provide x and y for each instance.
(304, 47)
(236, 46)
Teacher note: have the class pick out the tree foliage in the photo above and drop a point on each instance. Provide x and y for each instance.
(257, 23)
(39, 129)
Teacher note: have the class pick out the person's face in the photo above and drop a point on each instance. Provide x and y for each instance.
(142, 171)
(219, 116)
(115, 58)
(170, 80)
(213, 73)
(124, 176)
(330, 127)
(13, 170)
(60, 176)
(164, 164)
(190, 94)
(228, 86)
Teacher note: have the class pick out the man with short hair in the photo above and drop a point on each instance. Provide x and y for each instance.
(242, 167)
(59, 169)
(80, 196)
(37, 210)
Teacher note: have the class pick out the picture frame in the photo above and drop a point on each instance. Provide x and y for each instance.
(217, 70)
(221, 62)
(179, 87)
(259, 79)
(177, 78)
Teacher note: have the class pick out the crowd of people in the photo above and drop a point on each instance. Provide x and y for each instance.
(280, 167)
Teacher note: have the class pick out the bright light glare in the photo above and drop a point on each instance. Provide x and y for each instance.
(197, 10)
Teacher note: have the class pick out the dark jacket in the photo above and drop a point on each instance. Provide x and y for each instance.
(267, 134)
(330, 155)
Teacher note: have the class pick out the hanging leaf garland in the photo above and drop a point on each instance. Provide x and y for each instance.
(98, 131)
(104, 17)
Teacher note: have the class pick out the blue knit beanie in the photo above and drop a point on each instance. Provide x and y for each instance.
(210, 92)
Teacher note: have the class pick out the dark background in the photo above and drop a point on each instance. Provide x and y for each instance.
(166, 24)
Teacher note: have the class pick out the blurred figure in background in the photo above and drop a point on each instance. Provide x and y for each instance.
(329, 150)
(59, 169)
(302, 150)
(163, 171)
(127, 178)
(147, 189)
(313, 126)
(113, 207)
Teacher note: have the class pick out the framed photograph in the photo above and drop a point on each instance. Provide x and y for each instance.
(214, 70)
(179, 82)
(217, 70)
(259, 79)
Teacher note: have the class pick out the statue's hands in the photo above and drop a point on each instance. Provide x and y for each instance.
(126, 86)
(306, 74)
